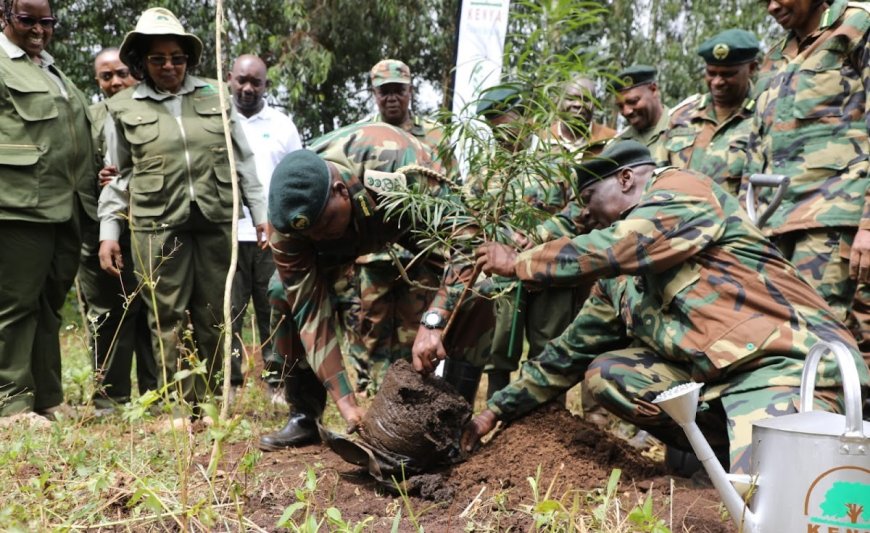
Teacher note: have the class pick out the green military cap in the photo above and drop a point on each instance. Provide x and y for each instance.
(633, 76)
(616, 156)
(298, 191)
(499, 99)
(390, 71)
(731, 47)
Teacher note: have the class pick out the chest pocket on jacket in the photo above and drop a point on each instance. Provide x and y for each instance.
(147, 198)
(32, 100)
(140, 128)
(209, 113)
(18, 175)
(679, 139)
(825, 82)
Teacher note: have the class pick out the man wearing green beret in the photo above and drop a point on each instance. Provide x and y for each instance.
(709, 132)
(689, 290)
(640, 103)
(326, 208)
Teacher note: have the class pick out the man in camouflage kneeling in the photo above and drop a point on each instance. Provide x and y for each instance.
(689, 290)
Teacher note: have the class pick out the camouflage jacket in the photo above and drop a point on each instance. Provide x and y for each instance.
(652, 138)
(696, 140)
(811, 123)
(598, 136)
(686, 274)
(428, 132)
(366, 157)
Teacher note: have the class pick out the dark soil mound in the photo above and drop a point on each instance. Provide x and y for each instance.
(417, 417)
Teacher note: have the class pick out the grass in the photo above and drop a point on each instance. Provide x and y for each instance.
(118, 473)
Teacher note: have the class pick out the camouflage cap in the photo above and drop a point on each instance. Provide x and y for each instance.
(390, 71)
(616, 156)
(298, 191)
(633, 76)
(158, 21)
(499, 99)
(731, 47)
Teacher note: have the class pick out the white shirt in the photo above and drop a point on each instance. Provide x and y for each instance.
(271, 135)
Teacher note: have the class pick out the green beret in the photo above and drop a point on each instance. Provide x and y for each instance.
(633, 76)
(298, 191)
(731, 47)
(616, 156)
(498, 100)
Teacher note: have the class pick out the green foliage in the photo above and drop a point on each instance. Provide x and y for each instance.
(644, 520)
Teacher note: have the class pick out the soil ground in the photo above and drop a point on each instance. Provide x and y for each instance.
(490, 491)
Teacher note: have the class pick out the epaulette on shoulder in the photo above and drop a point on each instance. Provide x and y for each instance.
(686, 101)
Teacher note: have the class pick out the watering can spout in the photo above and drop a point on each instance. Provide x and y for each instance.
(681, 404)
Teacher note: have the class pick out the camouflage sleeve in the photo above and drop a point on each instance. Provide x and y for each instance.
(566, 223)
(596, 329)
(663, 230)
(864, 58)
(307, 293)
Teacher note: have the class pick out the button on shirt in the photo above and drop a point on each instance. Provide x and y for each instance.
(271, 135)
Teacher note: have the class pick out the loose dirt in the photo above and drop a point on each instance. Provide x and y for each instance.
(571, 459)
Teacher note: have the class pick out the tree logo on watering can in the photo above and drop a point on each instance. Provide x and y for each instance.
(839, 501)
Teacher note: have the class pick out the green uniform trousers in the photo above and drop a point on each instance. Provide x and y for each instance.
(117, 324)
(187, 267)
(626, 382)
(37, 268)
(821, 255)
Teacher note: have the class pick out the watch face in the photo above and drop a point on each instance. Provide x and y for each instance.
(432, 319)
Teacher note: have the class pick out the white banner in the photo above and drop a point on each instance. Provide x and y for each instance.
(480, 48)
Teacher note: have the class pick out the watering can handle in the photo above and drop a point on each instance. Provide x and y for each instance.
(851, 385)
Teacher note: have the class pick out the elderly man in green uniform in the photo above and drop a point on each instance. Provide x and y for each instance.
(689, 290)
(326, 208)
(116, 313)
(811, 124)
(48, 171)
(378, 282)
(709, 133)
(639, 101)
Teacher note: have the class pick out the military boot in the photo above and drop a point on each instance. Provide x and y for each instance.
(306, 397)
(464, 377)
(496, 381)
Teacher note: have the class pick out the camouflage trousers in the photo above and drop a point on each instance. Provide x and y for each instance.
(384, 316)
(626, 382)
(821, 255)
(469, 338)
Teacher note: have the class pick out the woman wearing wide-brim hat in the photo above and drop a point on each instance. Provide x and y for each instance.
(168, 145)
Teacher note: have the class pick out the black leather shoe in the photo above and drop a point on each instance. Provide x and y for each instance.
(301, 429)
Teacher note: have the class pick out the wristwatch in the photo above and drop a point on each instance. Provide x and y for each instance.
(433, 320)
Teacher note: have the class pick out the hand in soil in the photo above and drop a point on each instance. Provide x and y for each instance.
(428, 350)
(351, 412)
(475, 429)
(495, 258)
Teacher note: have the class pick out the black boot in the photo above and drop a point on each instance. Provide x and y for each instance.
(464, 377)
(496, 381)
(306, 398)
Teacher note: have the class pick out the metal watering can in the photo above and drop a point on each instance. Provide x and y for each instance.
(810, 470)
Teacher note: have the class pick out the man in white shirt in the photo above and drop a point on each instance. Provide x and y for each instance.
(271, 135)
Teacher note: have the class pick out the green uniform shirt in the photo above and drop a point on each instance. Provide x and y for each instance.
(811, 124)
(652, 138)
(47, 156)
(686, 274)
(696, 140)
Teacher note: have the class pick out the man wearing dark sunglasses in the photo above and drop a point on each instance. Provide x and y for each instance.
(47, 169)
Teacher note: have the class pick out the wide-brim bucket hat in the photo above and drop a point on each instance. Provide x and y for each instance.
(159, 21)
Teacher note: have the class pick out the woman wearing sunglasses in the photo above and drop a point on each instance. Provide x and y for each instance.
(47, 188)
(169, 147)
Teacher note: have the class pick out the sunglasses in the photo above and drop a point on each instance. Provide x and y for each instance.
(109, 74)
(158, 60)
(27, 22)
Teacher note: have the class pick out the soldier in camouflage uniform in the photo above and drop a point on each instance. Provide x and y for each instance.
(811, 124)
(640, 103)
(325, 207)
(690, 290)
(376, 293)
(709, 132)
